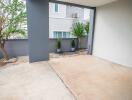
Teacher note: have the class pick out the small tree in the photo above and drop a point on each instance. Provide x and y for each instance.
(78, 31)
(12, 17)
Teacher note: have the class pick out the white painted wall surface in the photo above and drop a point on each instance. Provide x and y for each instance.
(86, 14)
(70, 10)
(113, 32)
(61, 11)
(60, 24)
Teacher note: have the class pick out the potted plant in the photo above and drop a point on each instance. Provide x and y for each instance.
(73, 45)
(78, 30)
(58, 45)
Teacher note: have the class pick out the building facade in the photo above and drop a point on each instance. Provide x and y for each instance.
(62, 17)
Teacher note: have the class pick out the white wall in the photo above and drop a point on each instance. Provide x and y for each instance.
(60, 24)
(113, 32)
(70, 10)
(61, 11)
(86, 14)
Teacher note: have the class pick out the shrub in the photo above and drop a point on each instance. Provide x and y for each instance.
(73, 43)
(58, 43)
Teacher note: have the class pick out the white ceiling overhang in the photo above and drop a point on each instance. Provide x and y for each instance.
(92, 3)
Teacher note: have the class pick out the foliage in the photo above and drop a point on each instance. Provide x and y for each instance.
(12, 18)
(14, 14)
(78, 30)
(58, 43)
(73, 43)
(86, 27)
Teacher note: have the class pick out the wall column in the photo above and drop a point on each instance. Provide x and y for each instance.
(38, 29)
(91, 31)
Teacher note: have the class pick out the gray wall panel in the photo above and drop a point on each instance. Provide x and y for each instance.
(20, 47)
(16, 48)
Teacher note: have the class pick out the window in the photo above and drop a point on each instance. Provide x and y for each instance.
(68, 35)
(58, 34)
(55, 35)
(56, 7)
(64, 35)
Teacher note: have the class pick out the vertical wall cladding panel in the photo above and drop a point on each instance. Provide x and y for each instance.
(91, 31)
(38, 29)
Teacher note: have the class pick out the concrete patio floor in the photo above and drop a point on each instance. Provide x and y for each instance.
(91, 78)
(36, 81)
(87, 78)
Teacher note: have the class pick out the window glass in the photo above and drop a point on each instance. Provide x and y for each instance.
(56, 7)
(64, 35)
(59, 34)
(68, 34)
(54, 34)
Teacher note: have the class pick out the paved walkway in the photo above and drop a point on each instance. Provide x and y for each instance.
(35, 81)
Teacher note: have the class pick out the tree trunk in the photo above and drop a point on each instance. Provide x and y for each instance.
(5, 54)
